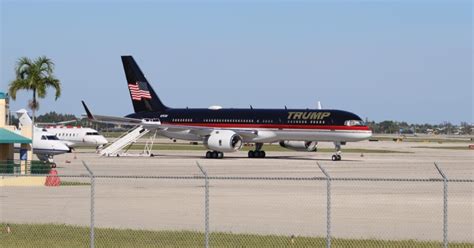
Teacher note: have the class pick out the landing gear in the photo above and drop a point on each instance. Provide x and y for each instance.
(337, 155)
(214, 154)
(258, 153)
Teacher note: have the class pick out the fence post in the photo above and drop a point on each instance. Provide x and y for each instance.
(445, 206)
(328, 205)
(206, 205)
(92, 233)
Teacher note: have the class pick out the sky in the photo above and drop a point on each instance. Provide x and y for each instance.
(383, 60)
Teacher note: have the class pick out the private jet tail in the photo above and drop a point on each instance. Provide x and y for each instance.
(143, 96)
(24, 118)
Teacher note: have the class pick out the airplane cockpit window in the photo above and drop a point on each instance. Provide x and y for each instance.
(49, 137)
(92, 133)
(354, 123)
(52, 137)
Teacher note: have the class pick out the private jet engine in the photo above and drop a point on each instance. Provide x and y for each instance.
(223, 141)
(302, 146)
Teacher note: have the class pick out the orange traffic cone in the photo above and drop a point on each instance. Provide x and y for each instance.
(53, 179)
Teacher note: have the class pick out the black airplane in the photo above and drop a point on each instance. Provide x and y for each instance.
(227, 129)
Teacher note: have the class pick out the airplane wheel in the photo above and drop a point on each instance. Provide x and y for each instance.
(53, 165)
(220, 155)
(208, 154)
(251, 154)
(334, 157)
(262, 154)
(258, 154)
(339, 157)
(214, 154)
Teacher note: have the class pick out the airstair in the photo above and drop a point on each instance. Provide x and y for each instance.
(124, 141)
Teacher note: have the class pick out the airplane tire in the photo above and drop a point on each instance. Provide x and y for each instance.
(258, 154)
(208, 154)
(262, 154)
(214, 154)
(220, 155)
(251, 154)
(339, 157)
(334, 157)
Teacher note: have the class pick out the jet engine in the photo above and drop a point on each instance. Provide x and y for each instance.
(302, 146)
(223, 141)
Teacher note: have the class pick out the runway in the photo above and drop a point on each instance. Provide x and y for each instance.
(360, 209)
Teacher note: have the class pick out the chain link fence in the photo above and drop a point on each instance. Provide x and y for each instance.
(203, 210)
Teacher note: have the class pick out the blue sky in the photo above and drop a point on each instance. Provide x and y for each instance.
(385, 60)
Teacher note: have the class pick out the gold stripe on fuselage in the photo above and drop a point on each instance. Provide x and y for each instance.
(308, 115)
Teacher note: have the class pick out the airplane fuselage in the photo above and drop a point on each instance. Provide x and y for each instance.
(273, 125)
(78, 136)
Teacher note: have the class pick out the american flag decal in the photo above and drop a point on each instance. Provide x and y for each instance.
(139, 91)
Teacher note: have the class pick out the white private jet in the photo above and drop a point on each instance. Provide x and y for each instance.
(45, 145)
(77, 136)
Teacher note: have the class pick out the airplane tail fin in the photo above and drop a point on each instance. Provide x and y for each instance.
(24, 118)
(143, 96)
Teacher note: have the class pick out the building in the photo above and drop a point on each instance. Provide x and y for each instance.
(8, 137)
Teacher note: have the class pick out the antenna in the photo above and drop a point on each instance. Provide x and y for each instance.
(251, 107)
(319, 105)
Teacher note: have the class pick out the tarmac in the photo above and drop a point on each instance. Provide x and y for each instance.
(360, 209)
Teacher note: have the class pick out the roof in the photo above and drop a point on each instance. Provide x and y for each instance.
(3, 95)
(8, 137)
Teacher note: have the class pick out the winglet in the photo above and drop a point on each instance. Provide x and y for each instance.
(88, 112)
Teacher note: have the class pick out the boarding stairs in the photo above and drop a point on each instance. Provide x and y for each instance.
(124, 141)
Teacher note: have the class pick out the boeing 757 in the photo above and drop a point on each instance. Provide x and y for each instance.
(227, 129)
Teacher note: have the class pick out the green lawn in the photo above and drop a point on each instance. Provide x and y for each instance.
(422, 139)
(445, 147)
(49, 235)
(72, 183)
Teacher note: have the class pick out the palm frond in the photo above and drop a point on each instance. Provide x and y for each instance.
(16, 85)
(23, 67)
(45, 65)
(37, 76)
(54, 83)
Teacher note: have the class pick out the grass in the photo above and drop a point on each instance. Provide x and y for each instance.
(445, 147)
(70, 183)
(54, 235)
(422, 139)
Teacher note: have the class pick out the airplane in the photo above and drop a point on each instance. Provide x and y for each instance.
(227, 129)
(77, 136)
(45, 145)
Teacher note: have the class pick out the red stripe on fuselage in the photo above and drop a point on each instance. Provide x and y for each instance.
(271, 126)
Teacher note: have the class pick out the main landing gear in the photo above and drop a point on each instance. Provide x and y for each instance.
(258, 153)
(214, 154)
(337, 155)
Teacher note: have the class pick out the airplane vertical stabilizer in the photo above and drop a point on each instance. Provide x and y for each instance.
(143, 96)
(23, 118)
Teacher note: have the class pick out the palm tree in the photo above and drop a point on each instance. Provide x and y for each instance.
(36, 76)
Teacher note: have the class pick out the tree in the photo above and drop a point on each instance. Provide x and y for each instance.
(36, 76)
(466, 128)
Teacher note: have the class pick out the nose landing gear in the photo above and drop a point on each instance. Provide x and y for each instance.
(337, 155)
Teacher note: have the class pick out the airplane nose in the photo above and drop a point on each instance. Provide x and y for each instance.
(369, 134)
(102, 141)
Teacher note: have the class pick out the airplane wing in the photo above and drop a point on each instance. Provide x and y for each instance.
(55, 123)
(199, 131)
(110, 119)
